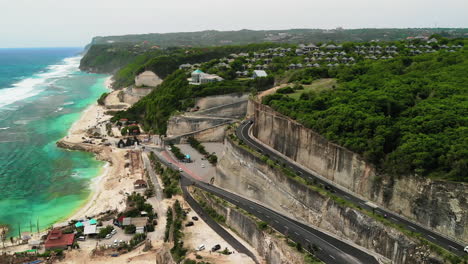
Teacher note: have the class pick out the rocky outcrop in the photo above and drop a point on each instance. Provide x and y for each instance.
(439, 205)
(148, 79)
(269, 245)
(248, 175)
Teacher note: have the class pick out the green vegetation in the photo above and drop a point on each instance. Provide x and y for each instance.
(406, 115)
(177, 251)
(194, 143)
(319, 188)
(175, 94)
(102, 98)
(105, 231)
(177, 152)
(130, 229)
(170, 178)
(165, 62)
(262, 225)
(242, 37)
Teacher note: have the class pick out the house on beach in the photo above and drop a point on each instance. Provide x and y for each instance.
(57, 240)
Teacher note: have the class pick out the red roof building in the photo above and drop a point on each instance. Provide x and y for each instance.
(57, 240)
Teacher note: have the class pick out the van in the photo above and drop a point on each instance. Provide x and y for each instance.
(201, 247)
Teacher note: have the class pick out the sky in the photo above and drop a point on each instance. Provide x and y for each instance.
(72, 23)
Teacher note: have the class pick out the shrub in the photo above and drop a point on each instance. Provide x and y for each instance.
(130, 229)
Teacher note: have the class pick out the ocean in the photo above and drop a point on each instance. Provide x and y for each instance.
(42, 93)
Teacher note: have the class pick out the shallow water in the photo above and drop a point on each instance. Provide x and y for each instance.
(38, 181)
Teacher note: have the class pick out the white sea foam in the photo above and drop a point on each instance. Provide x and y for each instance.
(4, 128)
(35, 84)
(68, 103)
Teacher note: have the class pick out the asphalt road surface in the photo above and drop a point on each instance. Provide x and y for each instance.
(328, 249)
(242, 132)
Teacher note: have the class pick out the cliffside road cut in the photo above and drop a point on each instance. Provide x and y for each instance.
(242, 133)
(329, 249)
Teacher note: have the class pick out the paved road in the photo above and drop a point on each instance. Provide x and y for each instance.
(238, 246)
(329, 249)
(242, 132)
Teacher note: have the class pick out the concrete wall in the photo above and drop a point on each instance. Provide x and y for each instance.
(235, 110)
(179, 125)
(436, 204)
(273, 249)
(212, 134)
(217, 100)
(245, 174)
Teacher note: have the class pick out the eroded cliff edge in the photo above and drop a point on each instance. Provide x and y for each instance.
(439, 205)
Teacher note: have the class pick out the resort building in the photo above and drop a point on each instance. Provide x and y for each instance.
(199, 77)
(57, 240)
(259, 73)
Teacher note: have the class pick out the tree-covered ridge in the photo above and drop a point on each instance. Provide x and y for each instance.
(175, 94)
(165, 62)
(406, 115)
(243, 37)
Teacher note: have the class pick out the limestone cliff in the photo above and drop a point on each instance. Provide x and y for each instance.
(436, 204)
(269, 245)
(248, 175)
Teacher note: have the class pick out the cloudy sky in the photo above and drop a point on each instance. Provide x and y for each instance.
(58, 23)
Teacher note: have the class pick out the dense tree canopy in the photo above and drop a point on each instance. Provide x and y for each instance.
(407, 115)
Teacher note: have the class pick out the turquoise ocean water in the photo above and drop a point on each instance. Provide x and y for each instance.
(42, 93)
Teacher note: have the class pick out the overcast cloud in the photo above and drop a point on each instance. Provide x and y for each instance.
(57, 23)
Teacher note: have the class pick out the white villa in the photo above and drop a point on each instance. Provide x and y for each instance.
(199, 77)
(259, 73)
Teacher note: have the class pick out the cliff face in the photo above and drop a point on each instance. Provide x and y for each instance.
(435, 204)
(212, 111)
(246, 174)
(268, 245)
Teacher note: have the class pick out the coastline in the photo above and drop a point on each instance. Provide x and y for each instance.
(104, 194)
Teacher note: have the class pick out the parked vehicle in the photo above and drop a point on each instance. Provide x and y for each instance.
(189, 223)
(195, 218)
(113, 232)
(201, 247)
(466, 249)
(216, 247)
(108, 236)
(81, 238)
(180, 170)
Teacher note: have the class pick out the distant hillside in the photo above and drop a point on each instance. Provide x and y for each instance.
(242, 37)
(109, 54)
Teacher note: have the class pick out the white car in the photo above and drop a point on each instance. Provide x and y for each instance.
(113, 232)
(201, 247)
(108, 236)
(203, 165)
(180, 169)
(466, 249)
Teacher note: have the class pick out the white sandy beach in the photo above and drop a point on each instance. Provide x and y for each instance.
(108, 189)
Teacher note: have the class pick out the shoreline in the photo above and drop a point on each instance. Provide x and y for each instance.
(89, 118)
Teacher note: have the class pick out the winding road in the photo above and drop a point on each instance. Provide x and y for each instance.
(242, 133)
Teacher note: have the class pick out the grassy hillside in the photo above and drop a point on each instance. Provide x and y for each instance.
(408, 115)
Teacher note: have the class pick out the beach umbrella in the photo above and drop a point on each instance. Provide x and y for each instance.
(92, 222)
(79, 224)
